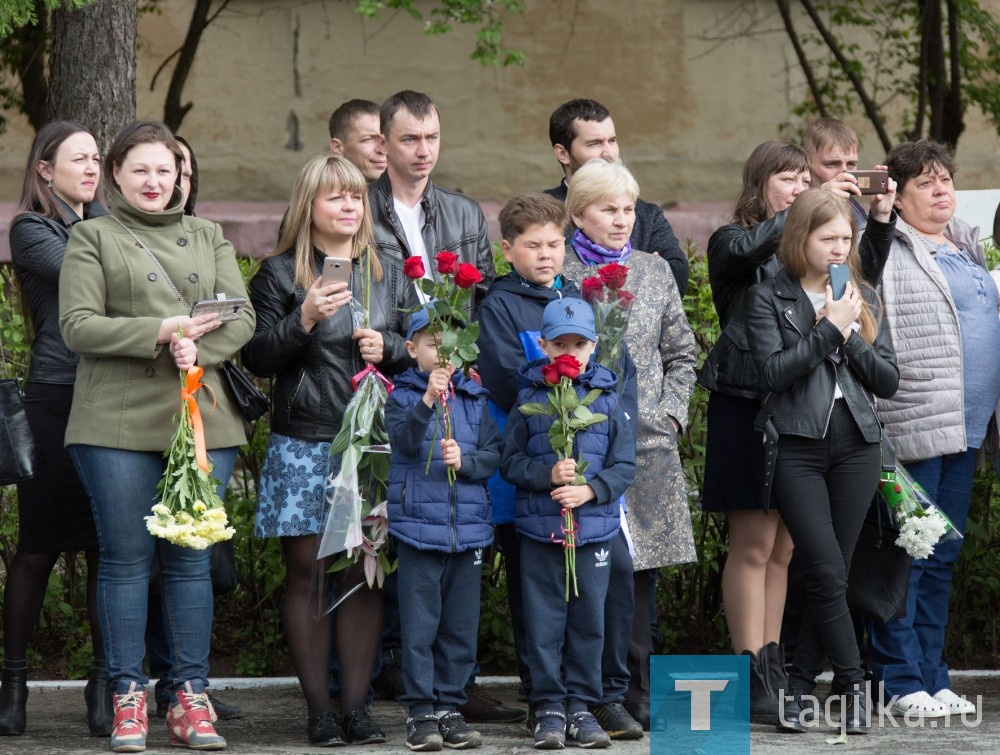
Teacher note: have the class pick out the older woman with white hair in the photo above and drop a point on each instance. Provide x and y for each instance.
(601, 204)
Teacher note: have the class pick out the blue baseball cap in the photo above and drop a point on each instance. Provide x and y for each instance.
(568, 315)
(420, 320)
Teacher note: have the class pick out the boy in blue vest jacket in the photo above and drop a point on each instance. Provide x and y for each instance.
(440, 531)
(565, 638)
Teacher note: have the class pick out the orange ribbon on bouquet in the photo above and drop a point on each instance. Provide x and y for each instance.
(192, 384)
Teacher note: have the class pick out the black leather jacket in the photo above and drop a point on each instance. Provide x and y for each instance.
(740, 257)
(37, 246)
(453, 223)
(314, 369)
(800, 361)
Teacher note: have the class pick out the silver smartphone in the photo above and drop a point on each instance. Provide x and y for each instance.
(227, 309)
(336, 269)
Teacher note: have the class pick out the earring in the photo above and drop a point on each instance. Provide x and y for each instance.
(49, 184)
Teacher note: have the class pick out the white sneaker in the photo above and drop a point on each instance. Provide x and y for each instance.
(956, 705)
(919, 705)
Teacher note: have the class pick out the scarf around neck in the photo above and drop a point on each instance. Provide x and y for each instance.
(592, 253)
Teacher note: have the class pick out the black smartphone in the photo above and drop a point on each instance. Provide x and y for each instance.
(839, 275)
(872, 181)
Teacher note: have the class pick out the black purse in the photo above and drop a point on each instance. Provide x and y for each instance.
(251, 403)
(880, 570)
(20, 457)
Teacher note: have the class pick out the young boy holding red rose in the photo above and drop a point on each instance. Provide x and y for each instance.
(440, 530)
(565, 638)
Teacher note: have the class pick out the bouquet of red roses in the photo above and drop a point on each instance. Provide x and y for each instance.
(612, 304)
(447, 307)
(571, 414)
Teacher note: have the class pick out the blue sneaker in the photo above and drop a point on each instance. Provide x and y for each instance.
(584, 731)
(550, 730)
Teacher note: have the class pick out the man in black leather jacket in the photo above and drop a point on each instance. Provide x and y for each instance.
(581, 130)
(413, 216)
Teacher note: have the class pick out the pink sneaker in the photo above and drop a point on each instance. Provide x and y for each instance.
(128, 732)
(189, 721)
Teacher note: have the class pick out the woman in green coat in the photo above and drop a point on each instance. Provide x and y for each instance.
(126, 287)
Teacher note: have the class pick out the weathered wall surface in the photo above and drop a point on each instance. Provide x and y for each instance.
(688, 109)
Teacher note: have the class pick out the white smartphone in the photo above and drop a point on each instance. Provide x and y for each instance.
(336, 269)
(227, 309)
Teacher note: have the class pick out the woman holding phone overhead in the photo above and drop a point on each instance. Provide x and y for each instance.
(126, 286)
(306, 338)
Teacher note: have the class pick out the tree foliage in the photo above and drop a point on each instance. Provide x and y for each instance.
(913, 67)
(25, 31)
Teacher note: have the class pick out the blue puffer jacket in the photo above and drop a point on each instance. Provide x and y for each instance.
(527, 459)
(424, 511)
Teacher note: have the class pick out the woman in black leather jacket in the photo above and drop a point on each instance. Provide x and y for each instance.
(60, 187)
(822, 362)
(307, 339)
(740, 255)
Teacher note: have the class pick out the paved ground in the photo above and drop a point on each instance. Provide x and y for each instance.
(274, 724)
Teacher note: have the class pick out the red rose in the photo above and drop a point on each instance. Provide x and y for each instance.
(447, 263)
(550, 373)
(413, 267)
(625, 299)
(592, 289)
(467, 275)
(567, 366)
(613, 275)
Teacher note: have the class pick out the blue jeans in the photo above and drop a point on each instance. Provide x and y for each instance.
(121, 486)
(906, 653)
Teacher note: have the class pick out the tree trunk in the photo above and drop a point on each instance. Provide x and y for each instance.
(92, 67)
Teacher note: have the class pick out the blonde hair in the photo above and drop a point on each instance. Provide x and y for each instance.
(321, 174)
(813, 208)
(598, 179)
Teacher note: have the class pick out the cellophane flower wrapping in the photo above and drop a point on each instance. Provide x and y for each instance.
(922, 525)
(356, 487)
(189, 511)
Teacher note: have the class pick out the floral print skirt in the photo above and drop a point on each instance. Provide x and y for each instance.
(291, 496)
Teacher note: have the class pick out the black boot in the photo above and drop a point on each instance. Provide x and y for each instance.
(13, 696)
(856, 715)
(100, 704)
(763, 702)
(777, 678)
(796, 715)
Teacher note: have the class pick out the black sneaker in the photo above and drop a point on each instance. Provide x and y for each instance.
(223, 711)
(457, 734)
(360, 729)
(584, 731)
(482, 708)
(162, 706)
(422, 733)
(324, 730)
(550, 730)
(617, 722)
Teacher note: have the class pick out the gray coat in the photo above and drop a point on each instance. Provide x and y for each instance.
(662, 346)
(926, 416)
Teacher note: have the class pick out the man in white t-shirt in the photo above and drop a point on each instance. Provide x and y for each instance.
(413, 216)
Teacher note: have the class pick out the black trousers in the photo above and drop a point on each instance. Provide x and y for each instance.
(619, 609)
(823, 488)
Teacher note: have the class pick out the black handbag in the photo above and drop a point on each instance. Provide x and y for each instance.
(20, 457)
(880, 570)
(249, 400)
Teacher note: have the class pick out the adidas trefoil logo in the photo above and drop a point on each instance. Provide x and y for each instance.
(479, 557)
(602, 558)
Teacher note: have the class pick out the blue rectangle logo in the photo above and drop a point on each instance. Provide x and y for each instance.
(700, 703)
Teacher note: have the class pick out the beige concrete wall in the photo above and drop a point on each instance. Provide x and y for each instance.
(688, 110)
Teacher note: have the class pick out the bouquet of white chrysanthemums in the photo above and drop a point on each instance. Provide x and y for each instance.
(922, 525)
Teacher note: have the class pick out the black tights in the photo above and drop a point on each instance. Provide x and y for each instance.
(27, 580)
(358, 626)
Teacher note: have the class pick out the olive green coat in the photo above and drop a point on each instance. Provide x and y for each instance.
(112, 299)
(662, 346)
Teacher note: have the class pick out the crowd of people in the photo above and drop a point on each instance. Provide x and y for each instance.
(805, 387)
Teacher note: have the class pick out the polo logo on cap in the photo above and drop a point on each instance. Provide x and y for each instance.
(569, 312)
